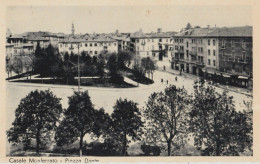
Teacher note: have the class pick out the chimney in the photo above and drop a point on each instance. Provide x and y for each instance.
(159, 30)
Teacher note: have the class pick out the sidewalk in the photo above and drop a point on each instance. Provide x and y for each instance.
(194, 77)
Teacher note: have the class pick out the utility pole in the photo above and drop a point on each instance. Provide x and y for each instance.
(78, 70)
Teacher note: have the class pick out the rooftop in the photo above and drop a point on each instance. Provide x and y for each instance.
(243, 31)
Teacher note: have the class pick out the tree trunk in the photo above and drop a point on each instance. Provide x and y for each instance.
(67, 74)
(124, 145)
(81, 144)
(218, 149)
(169, 147)
(38, 142)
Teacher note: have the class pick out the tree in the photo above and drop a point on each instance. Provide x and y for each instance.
(126, 121)
(17, 65)
(101, 65)
(112, 65)
(148, 66)
(166, 114)
(218, 128)
(124, 59)
(80, 118)
(28, 64)
(9, 67)
(36, 118)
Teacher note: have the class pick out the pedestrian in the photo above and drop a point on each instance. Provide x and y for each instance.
(167, 82)
(162, 80)
(176, 78)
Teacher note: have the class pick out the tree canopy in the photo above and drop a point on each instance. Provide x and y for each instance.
(218, 128)
(35, 118)
(79, 119)
(166, 114)
(126, 122)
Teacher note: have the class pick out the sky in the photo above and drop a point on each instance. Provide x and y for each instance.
(106, 19)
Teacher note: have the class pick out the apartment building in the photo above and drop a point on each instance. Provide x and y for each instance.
(153, 45)
(18, 46)
(220, 54)
(92, 46)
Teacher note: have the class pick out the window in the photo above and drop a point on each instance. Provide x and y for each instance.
(109, 44)
(152, 47)
(95, 52)
(137, 40)
(176, 47)
(209, 42)
(214, 42)
(90, 45)
(223, 43)
(90, 52)
(232, 44)
(181, 48)
(137, 48)
(233, 53)
(214, 63)
(160, 40)
(200, 49)
(100, 44)
(60, 45)
(208, 52)
(244, 56)
(115, 44)
(243, 44)
(166, 40)
(187, 44)
(86, 44)
(214, 52)
(208, 61)
(95, 44)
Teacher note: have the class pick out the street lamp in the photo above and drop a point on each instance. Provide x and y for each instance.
(78, 70)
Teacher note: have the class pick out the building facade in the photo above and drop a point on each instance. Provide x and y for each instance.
(91, 46)
(220, 54)
(153, 45)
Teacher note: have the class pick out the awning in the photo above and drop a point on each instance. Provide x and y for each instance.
(243, 77)
(210, 72)
(225, 75)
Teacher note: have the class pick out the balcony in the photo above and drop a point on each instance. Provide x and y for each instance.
(231, 59)
(193, 52)
(200, 63)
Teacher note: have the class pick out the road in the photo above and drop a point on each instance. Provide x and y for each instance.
(104, 97)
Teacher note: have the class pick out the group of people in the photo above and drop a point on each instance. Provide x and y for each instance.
(176, 79)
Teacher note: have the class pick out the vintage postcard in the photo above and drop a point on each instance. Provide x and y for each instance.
(129, 81)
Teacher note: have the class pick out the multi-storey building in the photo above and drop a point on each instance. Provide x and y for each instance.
(43, 42)
(123, 43)
(19, 46)
(153, 45)
(92, 46)
(221, 54)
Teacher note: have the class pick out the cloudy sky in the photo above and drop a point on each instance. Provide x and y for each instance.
(99, 19)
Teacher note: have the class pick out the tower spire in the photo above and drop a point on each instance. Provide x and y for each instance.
(72, 29)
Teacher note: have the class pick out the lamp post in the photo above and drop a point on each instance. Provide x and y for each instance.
(78, 70)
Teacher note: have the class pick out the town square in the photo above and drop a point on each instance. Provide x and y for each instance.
(168, 90)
